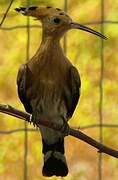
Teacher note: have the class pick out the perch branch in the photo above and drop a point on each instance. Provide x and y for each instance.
(7, 109)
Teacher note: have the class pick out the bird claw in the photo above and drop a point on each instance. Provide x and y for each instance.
(65, 129)
(33, 120)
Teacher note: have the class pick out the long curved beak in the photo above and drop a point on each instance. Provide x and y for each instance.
(84, 28)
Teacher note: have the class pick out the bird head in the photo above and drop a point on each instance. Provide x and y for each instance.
(55, 22)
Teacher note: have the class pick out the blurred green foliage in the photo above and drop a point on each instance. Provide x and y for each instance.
(84, 52)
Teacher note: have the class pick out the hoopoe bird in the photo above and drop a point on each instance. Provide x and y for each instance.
(49, 85)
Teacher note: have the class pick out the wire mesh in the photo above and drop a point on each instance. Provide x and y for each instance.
(101, 124)
(101, 92)
(25, 123)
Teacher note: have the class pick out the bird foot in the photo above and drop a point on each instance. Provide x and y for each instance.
(33, 120)
(65, 129)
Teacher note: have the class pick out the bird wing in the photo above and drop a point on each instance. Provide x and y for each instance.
(22, 87)
(75, 84)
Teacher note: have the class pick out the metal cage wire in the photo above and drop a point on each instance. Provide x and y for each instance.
(100, 125)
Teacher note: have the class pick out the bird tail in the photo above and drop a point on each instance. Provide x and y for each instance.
(54, 159)
(53, 149)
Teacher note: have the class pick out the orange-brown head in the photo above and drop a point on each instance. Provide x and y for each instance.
(55, 22)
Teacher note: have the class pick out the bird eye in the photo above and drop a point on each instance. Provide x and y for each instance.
(56, 20)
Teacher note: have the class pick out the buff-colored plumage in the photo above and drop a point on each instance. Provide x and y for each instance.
(49, 85)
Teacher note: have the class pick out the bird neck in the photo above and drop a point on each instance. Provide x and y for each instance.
(51, 46)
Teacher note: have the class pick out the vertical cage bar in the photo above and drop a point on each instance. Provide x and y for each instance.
(101, 87)
(25, 123)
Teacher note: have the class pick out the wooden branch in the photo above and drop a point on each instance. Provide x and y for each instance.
(7, 109)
